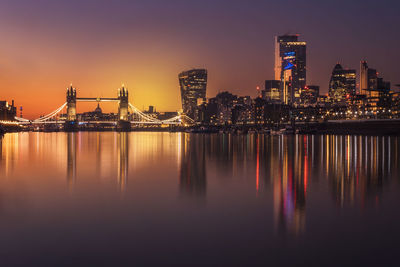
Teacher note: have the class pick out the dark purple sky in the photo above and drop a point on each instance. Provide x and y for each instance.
(99, 44)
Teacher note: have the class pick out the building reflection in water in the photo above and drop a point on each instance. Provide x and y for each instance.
(193, 179)
(284, 169)
(280, 164)
(355, 167)
(290, 184)
(123, 159)
(9, 154)
(358, 167)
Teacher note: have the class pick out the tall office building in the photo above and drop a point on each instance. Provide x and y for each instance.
(368, 80)
(193, 84)
(290, 67)
(342, 84)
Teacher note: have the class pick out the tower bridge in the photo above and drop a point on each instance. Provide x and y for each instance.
(128, 114)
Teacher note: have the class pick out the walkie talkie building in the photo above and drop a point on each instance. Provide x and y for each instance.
(193, 84)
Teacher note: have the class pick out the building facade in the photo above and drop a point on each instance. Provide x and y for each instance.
(272, 92)
(7, 111)
(290, 67)
(368, 80)
(342, 85)
(193, 85)
(309, 95)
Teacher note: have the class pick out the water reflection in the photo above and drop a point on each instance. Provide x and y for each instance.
(192, 180)
(122, 147)
(290, 184)
(123, 159)
(359, 167)
(71, 158)
(285, 172)
(9, 153)
(356, 168)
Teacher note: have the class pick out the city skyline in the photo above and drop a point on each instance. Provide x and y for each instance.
(39, 58)
(199, 133)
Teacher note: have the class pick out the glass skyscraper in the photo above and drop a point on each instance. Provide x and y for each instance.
(193, 84)
(342, 84)
(290, 67)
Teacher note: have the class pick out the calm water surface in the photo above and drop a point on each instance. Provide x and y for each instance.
(144, 199)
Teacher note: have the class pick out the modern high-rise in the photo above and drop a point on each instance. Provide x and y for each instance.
(368, 80)
(290, 67)
(342, 84)
(193, 84)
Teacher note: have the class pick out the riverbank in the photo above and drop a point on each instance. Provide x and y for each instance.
(358, 127)
(354, 127)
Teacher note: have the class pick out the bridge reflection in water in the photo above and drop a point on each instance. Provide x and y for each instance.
(71, 158)
(285, 173)
(122, 147)
(123, 159)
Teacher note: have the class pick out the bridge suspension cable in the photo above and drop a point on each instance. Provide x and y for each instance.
(179, 117)
(144, 118)
(41, 119)
(52, 114)
(142, 115)
(148, 119)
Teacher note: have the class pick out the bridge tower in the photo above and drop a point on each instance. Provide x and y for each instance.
(71, 122)
(123, 110)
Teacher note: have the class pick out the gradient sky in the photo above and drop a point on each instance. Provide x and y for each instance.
(97, 45)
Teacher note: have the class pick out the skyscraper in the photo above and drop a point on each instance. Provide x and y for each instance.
(290, 67)
(342, 84)
(193, 84)
(368, 80)
(363, 77)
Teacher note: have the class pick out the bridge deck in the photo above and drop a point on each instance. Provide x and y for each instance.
(97, 99)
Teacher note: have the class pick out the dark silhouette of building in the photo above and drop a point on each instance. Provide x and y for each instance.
(309, 95)
(259, 111)
(273, 91)
(224, 109)
(7, 111)
(384, 99)
(242, 112)
(208, 112)
(193, 84)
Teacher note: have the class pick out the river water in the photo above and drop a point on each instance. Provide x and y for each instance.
(145, 199)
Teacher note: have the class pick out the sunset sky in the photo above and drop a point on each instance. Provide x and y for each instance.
(97, 45)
